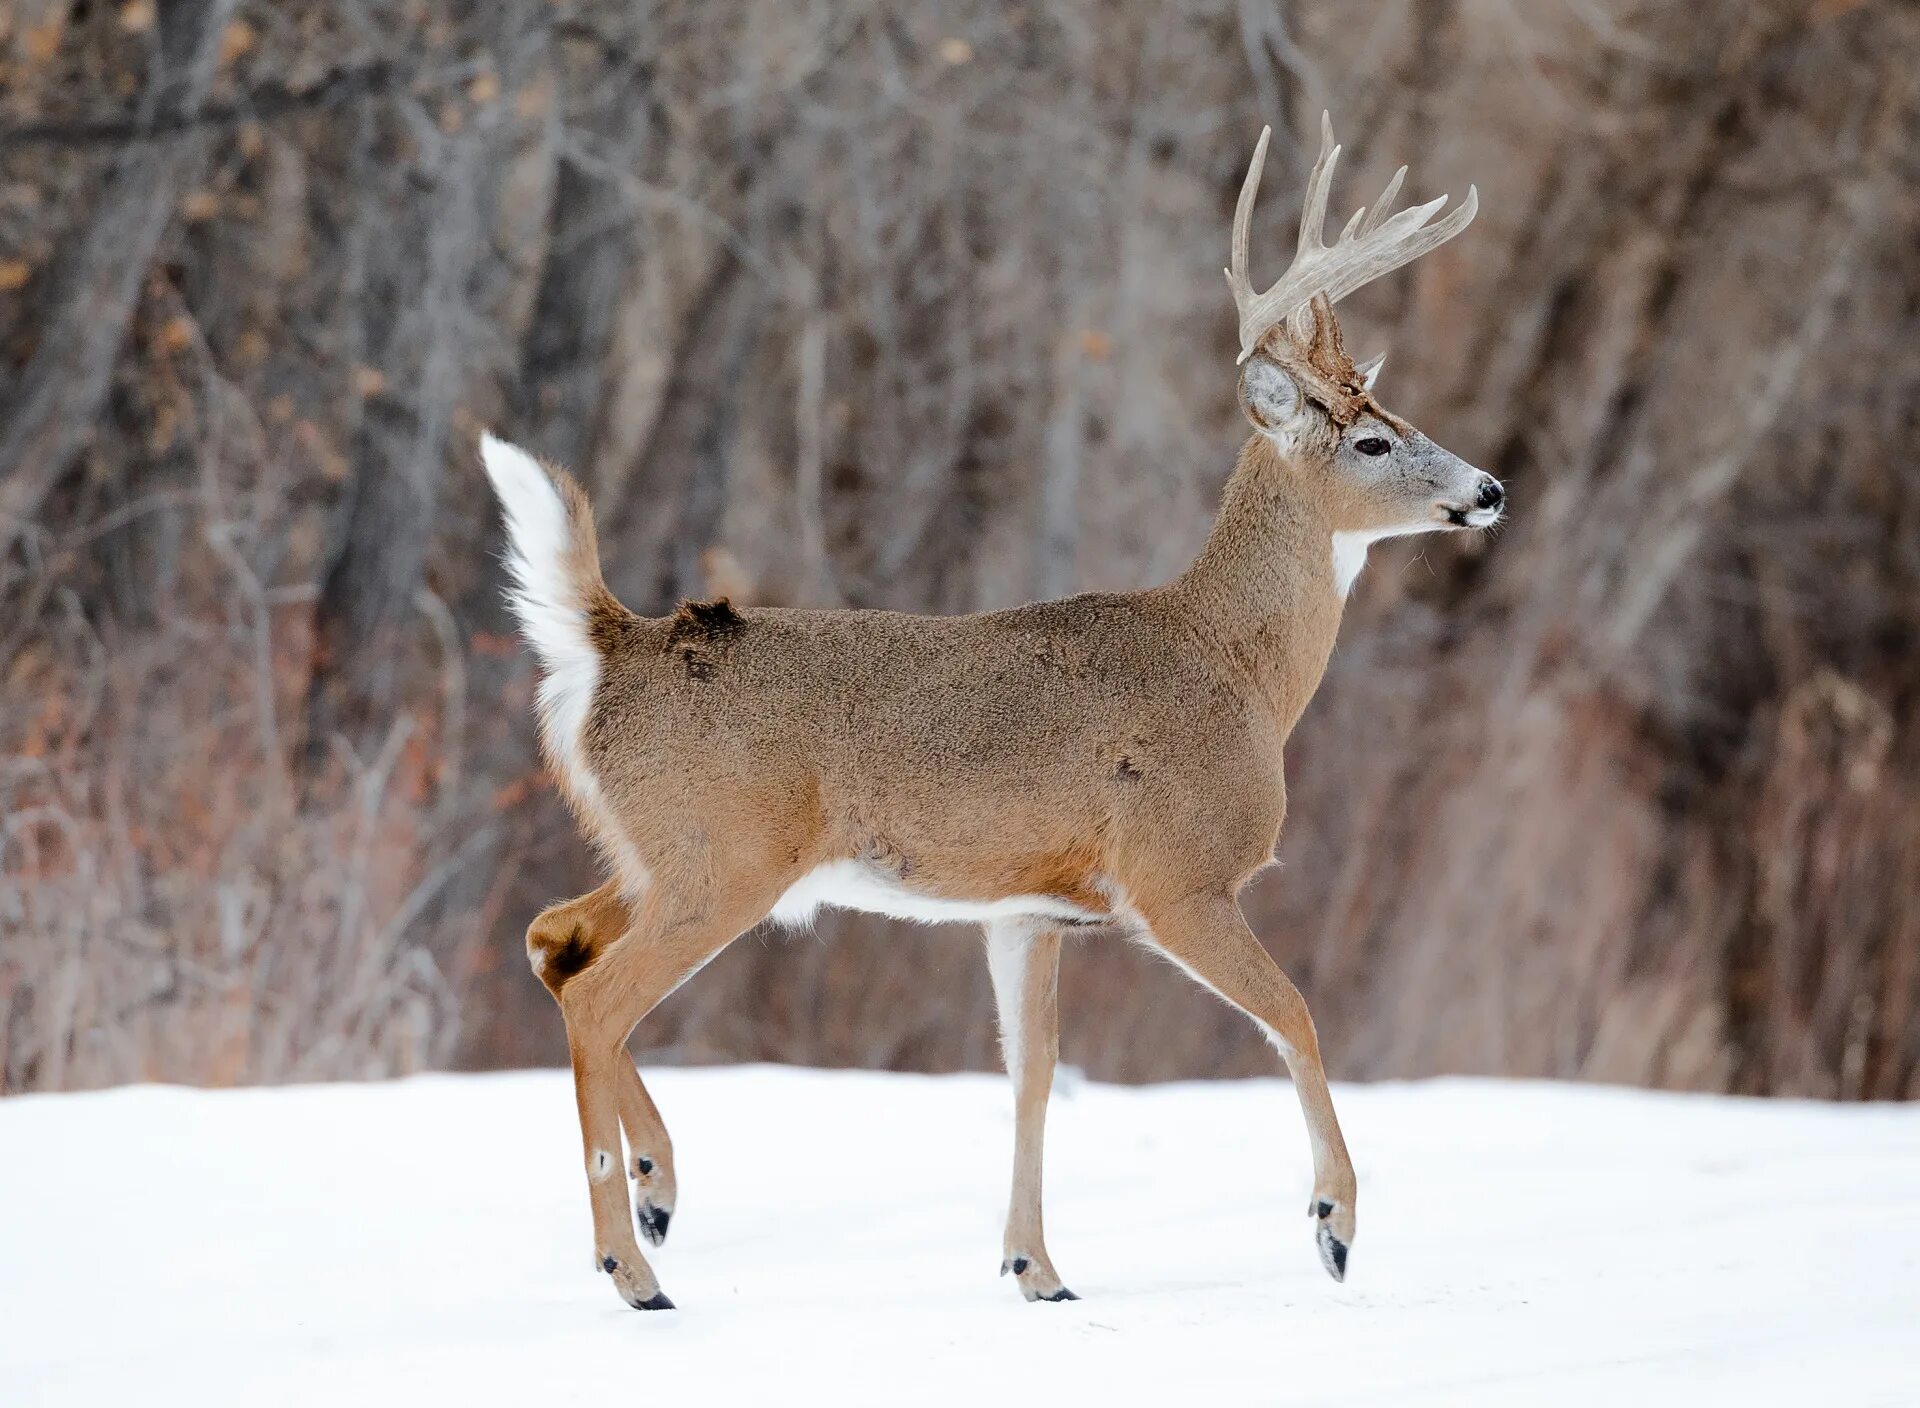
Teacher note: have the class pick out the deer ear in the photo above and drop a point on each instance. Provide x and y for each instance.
(1270, 398)
(1370, 370)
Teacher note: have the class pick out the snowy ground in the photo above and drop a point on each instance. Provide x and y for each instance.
(838, 1238)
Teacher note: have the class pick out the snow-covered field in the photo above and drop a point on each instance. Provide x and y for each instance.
(838, 1236)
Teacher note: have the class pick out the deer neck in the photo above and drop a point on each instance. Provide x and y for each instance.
(1263, 591)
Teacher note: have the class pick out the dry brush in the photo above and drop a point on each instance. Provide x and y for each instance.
(919, 306)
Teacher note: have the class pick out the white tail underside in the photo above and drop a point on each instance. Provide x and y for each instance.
(553, 619)
(543, 595)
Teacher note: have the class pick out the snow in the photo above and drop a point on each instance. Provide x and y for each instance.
(838, 1236)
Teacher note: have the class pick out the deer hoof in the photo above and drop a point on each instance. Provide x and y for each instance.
(653, 1222)
(635, 1285)
(1333, 1252)
(1037, 1278)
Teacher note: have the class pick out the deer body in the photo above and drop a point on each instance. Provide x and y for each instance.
(1108, 761)
(1122, 714)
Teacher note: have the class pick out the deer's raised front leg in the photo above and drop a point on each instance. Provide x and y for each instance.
(1208, 937)
(1024, 959)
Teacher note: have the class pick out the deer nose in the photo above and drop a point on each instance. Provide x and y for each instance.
(1491, 495)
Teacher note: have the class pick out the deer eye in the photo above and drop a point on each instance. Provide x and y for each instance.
(1372, 445)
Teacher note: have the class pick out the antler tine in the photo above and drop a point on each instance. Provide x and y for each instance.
(1384, 206)
(1374, 242)
(1313, 210)
(1236, 271)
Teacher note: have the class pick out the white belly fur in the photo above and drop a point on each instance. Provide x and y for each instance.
(848, 884)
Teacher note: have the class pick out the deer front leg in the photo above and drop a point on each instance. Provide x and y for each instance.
(1209, 938)
(564, 939)
(1025, 963)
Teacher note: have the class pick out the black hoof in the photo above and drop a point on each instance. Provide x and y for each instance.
(658, 1301)
(1062, 1294)
(1333, 1253)
(653, 1222)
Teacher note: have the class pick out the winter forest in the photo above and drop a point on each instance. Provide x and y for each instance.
(919, 306)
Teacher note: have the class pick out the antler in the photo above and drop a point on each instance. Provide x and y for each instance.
(1371, 245)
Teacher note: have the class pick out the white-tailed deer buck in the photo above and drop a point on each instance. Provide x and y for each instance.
(1106, 761)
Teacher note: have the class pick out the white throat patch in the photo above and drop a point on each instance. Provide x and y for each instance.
(1349, 556)
(1350, 551)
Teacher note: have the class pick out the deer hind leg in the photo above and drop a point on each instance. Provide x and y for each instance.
(563, 940)
(595, 1088)
(649, 1156)
(1208, 937)
(1024, 959)
(666, 941)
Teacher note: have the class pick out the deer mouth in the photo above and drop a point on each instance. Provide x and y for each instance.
(1465, 515)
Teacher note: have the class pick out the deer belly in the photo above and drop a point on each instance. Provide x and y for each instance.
(850, 884)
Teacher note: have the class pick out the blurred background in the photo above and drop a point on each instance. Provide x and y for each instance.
(917, 304)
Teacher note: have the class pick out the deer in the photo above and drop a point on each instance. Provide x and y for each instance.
(1108, 763)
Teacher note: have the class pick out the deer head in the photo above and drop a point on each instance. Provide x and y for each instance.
(1374, 473)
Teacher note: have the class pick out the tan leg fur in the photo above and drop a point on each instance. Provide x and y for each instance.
(1208, 937)
(609, 964)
